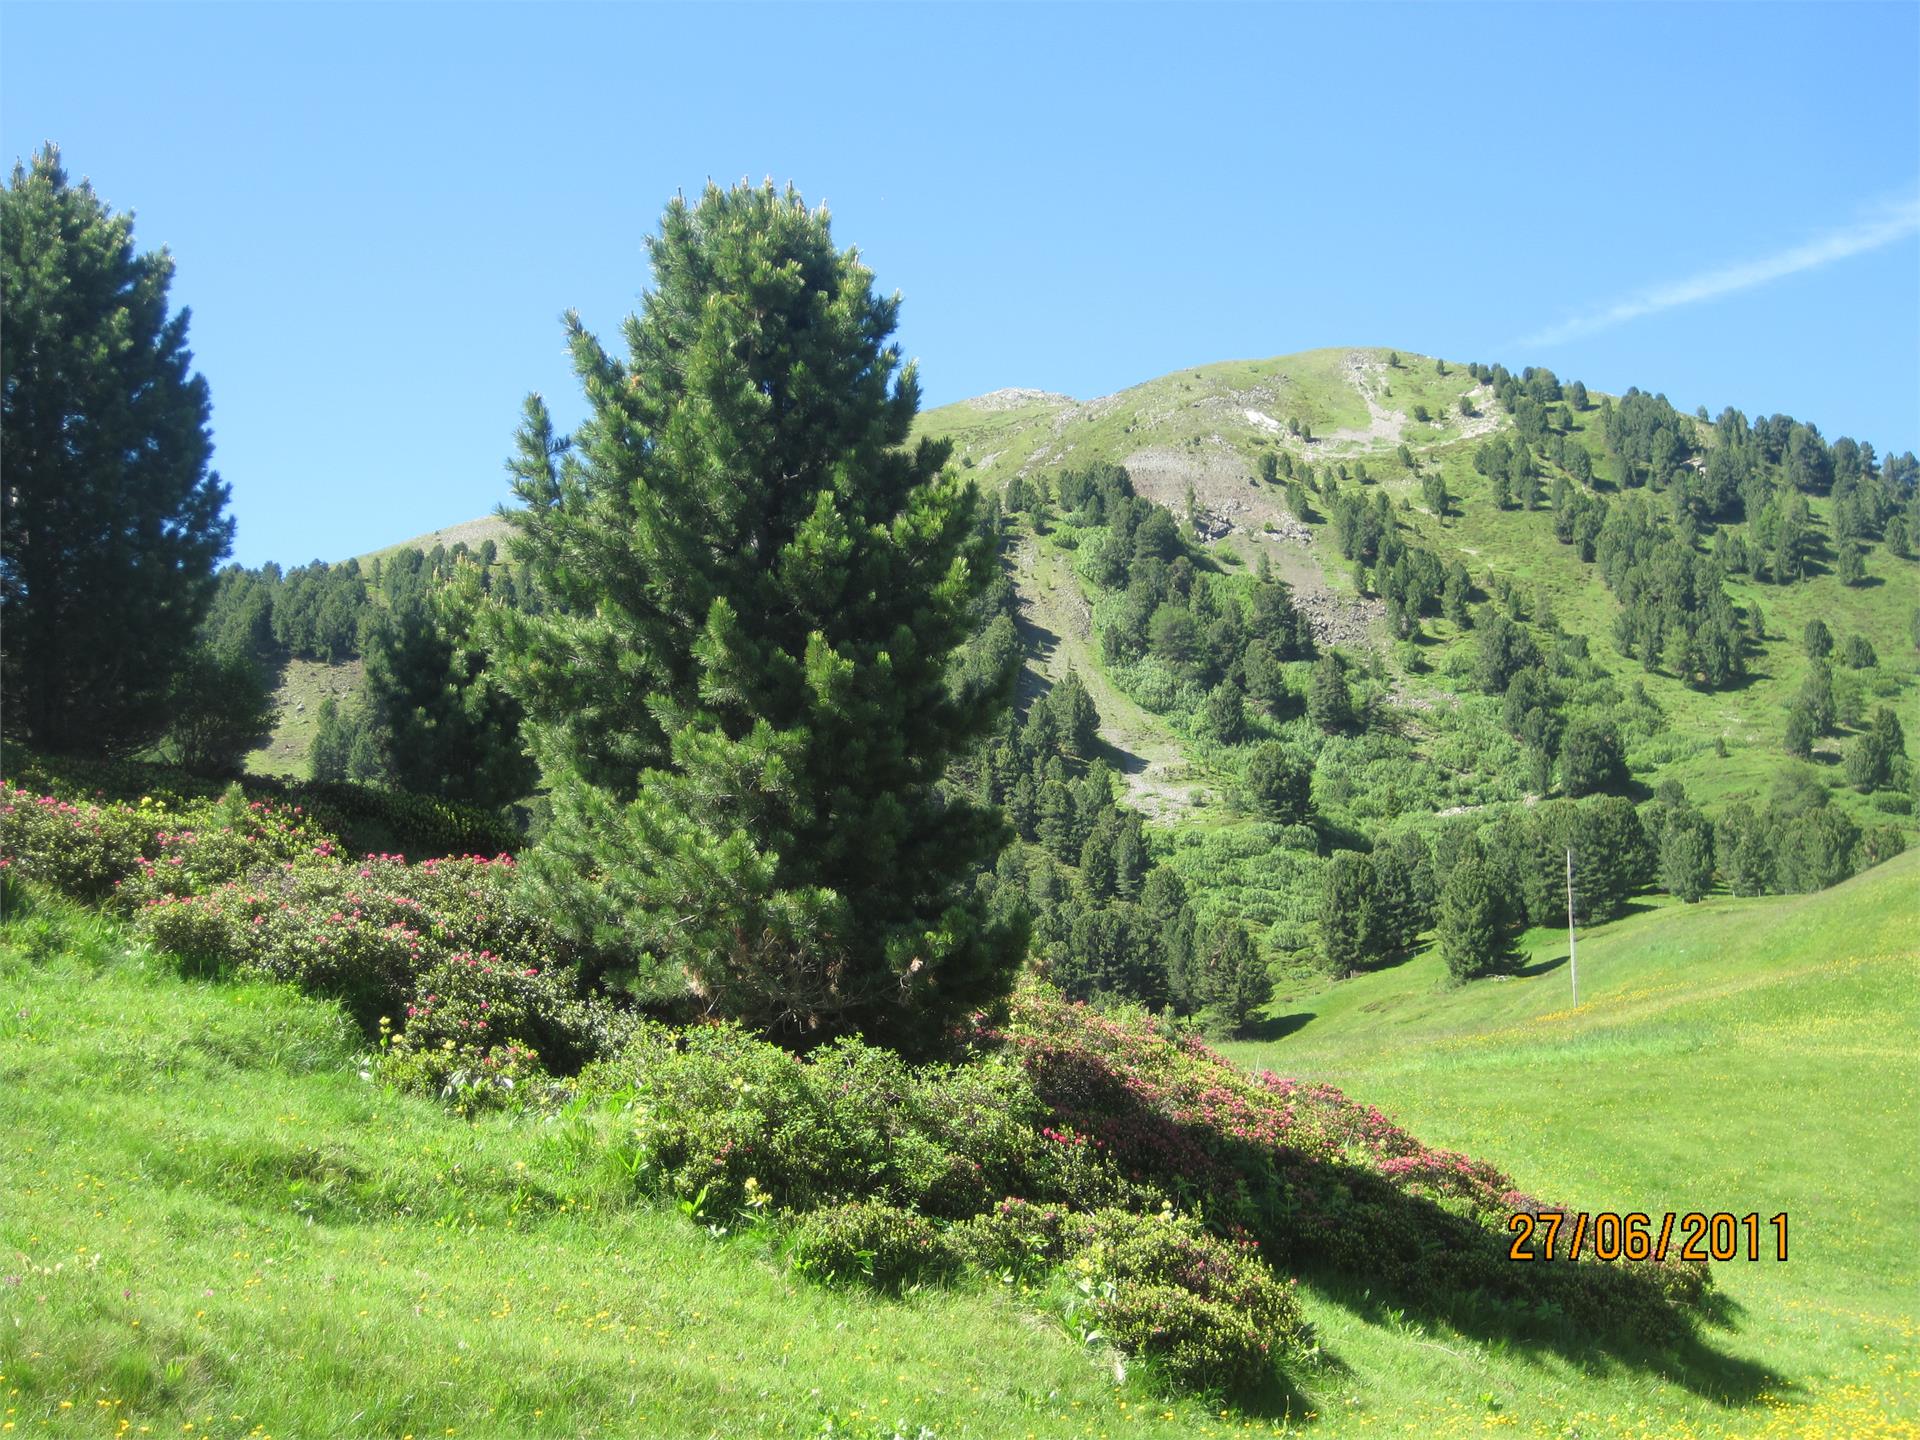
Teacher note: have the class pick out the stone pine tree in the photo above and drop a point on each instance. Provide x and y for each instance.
(1472, 922)
(738, 687)
(1875, 759)
(1329, 701)
(113, 521)
(1350, 929)
(1237, 979)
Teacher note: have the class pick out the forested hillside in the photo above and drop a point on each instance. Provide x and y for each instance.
(1366, 613)
(1298, 635)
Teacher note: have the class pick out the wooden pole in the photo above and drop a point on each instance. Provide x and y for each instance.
(1573, 958)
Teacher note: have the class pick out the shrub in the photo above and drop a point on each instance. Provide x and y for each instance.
(709, 1109)
(487, 985)
(882, 1245)
(360, 817)
(1016, 1237)
(80, 850)
(1311, 1176)
(1207, 1313)
(481, 1002)
(193, 850)
(470, 1075)
(374, 818)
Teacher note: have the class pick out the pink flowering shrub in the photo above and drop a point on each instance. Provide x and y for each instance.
(90, 849)
(193, 851)
(80, 849)
(471, 1074)
(360, 817)
(462, 976)
(1316, 1179)
(485, 1017)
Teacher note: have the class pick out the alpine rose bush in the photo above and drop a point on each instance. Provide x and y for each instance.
(863, 1242)
(1316, 1179)
(79, 849)
(1208, 1313)
(479, 980)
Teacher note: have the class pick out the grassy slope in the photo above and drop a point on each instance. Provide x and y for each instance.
(214, 1220)
(304, 684)
(473, 533)
(213, 1223)
(1741, 1055)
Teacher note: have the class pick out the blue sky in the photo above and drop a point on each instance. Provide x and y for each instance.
(379, 213)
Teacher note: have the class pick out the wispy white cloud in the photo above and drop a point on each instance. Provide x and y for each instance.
(1884, 227)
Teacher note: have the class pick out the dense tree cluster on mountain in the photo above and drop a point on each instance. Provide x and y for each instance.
(1746, 484)
(427, 719)
(1675, 614)
(1374, 906)
(1411, 580)
(1109, 922)
(327, 612)
(1228, 637)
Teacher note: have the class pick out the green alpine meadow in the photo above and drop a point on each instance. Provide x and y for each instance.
(1353, 893)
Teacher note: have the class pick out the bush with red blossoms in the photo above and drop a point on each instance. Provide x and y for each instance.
(81, 849)
(1316, 1179)
(449, 948)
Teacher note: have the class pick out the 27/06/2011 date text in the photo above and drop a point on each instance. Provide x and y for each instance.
(1553, 1235)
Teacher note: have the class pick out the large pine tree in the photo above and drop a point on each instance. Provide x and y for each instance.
(113, 522)
(738, 688)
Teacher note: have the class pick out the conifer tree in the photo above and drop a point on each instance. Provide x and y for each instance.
(1278, 785)
(1237, 979)
(1878, 753)
(1350, 928)
(738, 687)
(1592, 758)
(1471, 927)
(449, 729)
(1329, 702)
(1686, 854)
(113, 522)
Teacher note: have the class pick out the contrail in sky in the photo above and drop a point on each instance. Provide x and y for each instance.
(1891, 224)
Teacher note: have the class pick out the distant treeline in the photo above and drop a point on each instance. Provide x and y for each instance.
(426, 718)
(327, 612)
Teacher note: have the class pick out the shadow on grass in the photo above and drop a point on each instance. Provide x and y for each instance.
(1276, 1027)
(1377, 1240)
(1120, 761)
(1394, 959)
(1280, 1398)
(1623, 911)
(1540, 967)
(1689, 1361)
